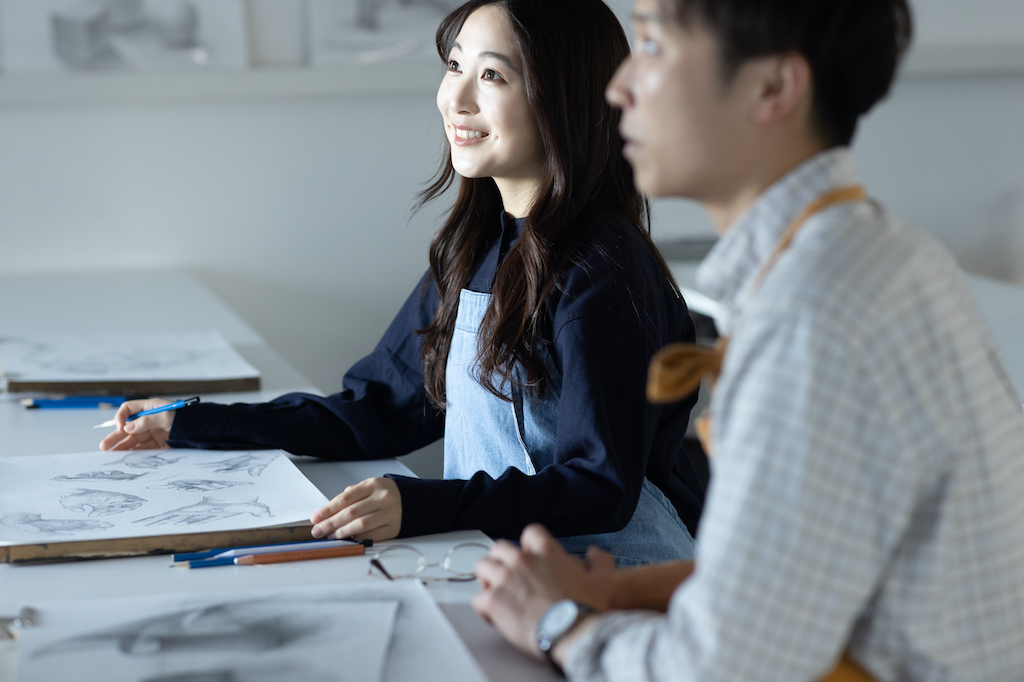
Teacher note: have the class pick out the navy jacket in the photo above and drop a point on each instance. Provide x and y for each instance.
(609, 314)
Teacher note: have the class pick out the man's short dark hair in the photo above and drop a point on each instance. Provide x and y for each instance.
(852, 46)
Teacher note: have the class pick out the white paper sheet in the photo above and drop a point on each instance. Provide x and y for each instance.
(99, 495)
(422, 645)
(310, 635)
(146, 356)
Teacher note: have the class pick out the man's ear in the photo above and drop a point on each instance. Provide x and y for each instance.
(783, 88)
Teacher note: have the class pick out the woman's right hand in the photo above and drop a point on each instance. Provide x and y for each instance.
(144, 433)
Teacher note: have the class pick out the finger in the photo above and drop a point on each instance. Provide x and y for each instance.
(537, 540)
(345, 517)
(491, 573)
(131, 407)
(349, 496)
(599, 561)
(505, 552)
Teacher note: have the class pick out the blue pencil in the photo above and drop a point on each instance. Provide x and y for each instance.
(164, 408)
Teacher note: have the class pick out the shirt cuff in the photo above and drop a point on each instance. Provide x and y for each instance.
(428, 505)
(585, 658)
(198, 425)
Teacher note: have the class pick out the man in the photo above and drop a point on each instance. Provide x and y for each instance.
(867, 498)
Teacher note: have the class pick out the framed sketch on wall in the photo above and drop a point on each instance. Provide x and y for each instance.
(105, 35)
(354, 32)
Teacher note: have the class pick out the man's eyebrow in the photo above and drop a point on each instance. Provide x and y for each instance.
(493, 55)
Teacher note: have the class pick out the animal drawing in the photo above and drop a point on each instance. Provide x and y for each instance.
(252, 462)
(206, 511)
(147, 459)
(35, 523)
(100, 502)
(113, 475)
(197, 485)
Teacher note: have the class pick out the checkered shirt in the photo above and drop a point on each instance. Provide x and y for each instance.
(868, 482)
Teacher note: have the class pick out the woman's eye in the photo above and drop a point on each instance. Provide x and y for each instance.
(648, 47)
(453, 65)
(492, 75)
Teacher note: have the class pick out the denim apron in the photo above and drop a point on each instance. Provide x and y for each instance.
(484, 433)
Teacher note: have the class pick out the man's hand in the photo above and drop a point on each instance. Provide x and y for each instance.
(520, 585)
(370, 510)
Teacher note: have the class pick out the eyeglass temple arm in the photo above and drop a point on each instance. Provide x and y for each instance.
(376, 564)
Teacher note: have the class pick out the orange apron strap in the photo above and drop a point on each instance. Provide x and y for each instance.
(848, 671)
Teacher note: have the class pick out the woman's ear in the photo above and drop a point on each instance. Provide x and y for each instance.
(782, 88)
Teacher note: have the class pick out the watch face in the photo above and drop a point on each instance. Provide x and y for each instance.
(559, 618)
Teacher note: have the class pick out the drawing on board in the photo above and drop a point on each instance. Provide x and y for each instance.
(113, 475)
(200, 638)
(251, 626)
(197, 485)
(150, 493)
(100, 502)
(147, 459)
(372, 31)
(104, 35)
(207, 511)
(36, 524)
(252, 462)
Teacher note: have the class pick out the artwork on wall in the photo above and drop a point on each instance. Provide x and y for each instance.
(374, 31)
(105, 35)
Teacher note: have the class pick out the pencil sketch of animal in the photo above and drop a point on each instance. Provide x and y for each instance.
(35, 523)
(197, 485)
(252, 462)
(206, 511)
(113, 475)
(249, 627)
(100, 502)
(147, 459)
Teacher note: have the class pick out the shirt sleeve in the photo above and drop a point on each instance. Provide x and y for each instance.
(605, 428)
(382, 411)
(809, 498)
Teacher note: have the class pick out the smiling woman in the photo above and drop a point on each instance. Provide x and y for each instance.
(526, 344)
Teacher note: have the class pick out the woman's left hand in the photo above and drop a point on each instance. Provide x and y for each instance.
(370, 510)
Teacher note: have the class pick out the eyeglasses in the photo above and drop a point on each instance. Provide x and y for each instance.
(404, 561)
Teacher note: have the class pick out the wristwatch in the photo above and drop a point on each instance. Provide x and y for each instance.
(556, 623)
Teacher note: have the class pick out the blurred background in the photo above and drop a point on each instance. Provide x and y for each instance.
(280, 168)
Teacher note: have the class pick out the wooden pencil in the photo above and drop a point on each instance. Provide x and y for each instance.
(300, 555)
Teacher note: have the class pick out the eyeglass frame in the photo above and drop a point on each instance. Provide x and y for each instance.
(422, 564)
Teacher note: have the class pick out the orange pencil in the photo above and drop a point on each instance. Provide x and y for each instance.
(301, 555)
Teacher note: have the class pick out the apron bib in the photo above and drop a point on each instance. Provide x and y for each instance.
(485, 433)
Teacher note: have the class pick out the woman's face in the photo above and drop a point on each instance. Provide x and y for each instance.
(483, 102)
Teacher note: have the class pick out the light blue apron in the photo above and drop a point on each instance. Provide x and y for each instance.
(484, 433)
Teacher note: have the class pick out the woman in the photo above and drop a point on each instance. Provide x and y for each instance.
(527, 342)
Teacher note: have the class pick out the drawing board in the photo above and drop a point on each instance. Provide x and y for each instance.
(314, 636)
(373, 630)
(129, 363)
(145, 493)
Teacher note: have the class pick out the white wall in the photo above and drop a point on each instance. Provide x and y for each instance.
(297, 212)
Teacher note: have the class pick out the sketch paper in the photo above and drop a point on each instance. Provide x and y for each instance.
(126, 358)
(127, 635)
(112, 35)
(310, 635)
(108, 495)
(373, 31)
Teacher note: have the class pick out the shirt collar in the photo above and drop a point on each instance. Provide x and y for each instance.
(728, 271)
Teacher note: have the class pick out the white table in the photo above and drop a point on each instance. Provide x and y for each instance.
(96, 302)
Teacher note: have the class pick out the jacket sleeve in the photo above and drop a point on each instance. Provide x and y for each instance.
(382, 411)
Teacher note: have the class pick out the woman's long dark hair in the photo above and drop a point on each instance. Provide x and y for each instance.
(569, 50)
